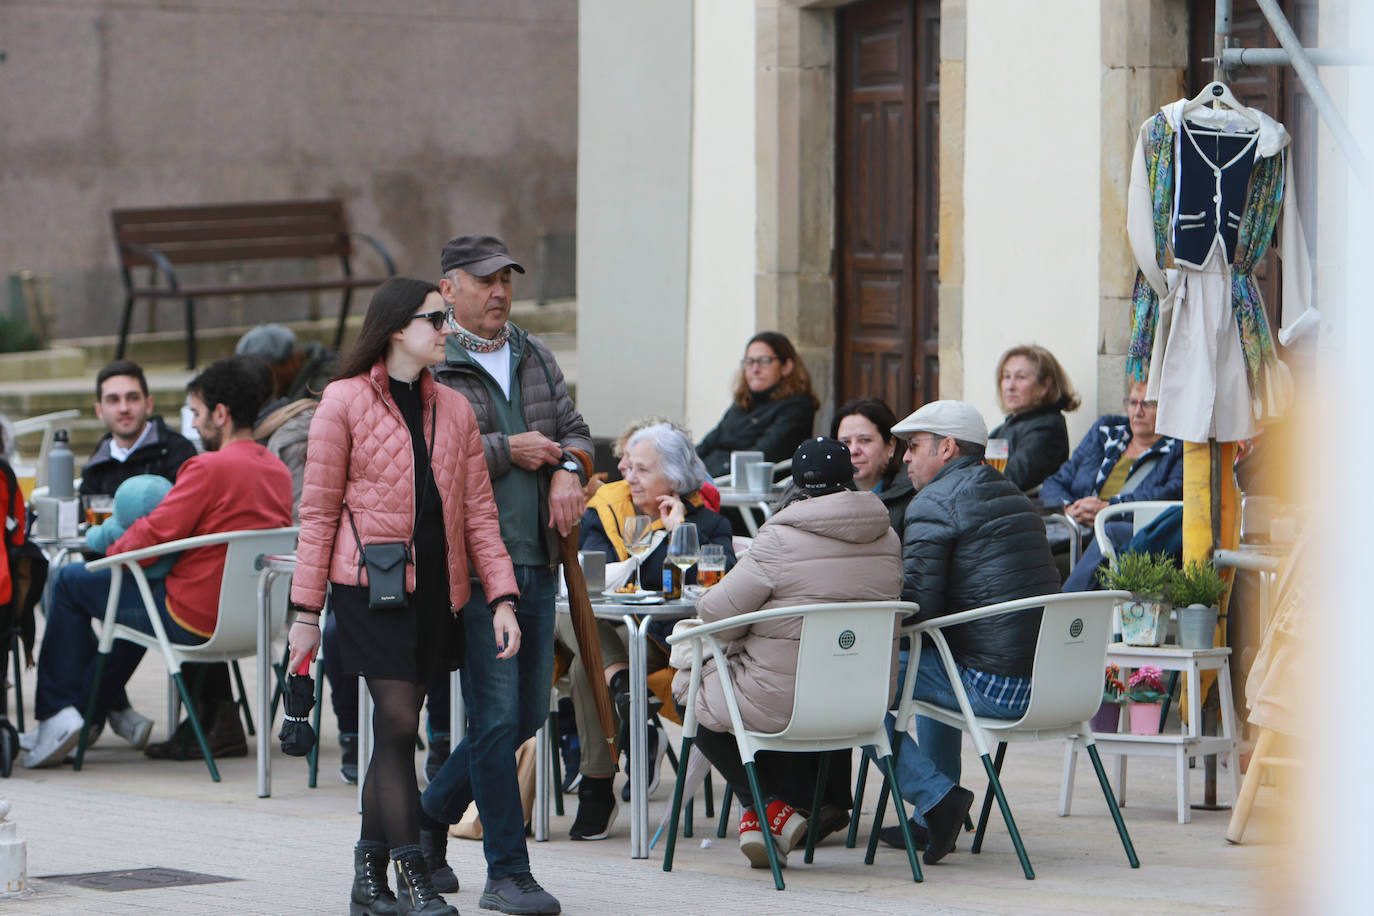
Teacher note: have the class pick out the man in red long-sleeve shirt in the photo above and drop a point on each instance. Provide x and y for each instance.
(235, 485)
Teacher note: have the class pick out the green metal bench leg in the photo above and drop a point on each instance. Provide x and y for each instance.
(677, 806)
(814, 827)
(987, 802)
(1006, 816)
(554, 765)
(725, 810)
(1111, 804)
(889, 765)
(243, 696)
(90, 709)
(762, 808)
(857, 806)
(194, 718)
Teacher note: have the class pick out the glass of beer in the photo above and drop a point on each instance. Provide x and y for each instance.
(996, 453)
(98, 507)
(710, 565)
(27, 476)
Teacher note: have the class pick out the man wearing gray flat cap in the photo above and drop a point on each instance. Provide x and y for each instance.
(970, 538)
(538, 451)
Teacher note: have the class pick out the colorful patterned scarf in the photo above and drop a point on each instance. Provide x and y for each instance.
(474, 344)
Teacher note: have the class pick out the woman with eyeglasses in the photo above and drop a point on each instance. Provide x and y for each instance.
(396, 457)
(773, 408)
(1121, 459)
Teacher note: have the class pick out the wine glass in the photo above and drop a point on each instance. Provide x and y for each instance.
(683, 546)
(638, 531)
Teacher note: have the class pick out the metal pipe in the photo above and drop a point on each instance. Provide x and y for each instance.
(1311, 81)
(1277, 57)
(1219, 39)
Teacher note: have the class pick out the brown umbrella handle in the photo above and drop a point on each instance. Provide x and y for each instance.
(588, 640)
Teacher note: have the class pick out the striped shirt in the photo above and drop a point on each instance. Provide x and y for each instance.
(1013, 692)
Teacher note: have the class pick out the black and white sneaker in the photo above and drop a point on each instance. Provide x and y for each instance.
(658, 749)
(596, 809)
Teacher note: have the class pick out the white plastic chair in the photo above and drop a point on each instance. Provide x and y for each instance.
(844, 668)
(46, 423)
(236, 625)
(1066, 690)
(1142, 513)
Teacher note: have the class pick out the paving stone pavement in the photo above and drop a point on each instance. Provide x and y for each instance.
(290, 853)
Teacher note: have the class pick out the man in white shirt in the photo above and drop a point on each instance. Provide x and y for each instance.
(138, 441)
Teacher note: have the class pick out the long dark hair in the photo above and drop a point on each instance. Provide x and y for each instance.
(798, 381)
(876, 411)
(390, 309)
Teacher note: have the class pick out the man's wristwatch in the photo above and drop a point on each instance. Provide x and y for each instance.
(571, 465)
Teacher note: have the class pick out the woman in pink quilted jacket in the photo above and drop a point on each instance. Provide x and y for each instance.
(395, 457)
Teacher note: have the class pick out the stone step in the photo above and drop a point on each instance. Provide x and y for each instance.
(26, 397)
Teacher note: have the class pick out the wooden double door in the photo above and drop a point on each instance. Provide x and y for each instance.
(887, 202)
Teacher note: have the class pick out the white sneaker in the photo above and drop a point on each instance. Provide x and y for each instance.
(97, 729)
(133, 727)
(57, 735)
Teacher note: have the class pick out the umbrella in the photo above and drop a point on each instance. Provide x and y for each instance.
(584, 627)
(297, 736)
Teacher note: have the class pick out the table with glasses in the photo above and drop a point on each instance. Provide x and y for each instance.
(636, 618)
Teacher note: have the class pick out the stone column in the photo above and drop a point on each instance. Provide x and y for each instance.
(14, 877)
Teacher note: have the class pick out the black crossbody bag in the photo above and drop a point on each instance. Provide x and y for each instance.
(386, 562)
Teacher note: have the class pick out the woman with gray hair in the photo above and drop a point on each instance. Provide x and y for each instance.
(663, 479)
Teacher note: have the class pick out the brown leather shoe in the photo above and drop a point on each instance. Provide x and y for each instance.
(224, 732)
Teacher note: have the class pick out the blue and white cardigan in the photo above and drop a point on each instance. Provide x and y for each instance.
(1097, 454)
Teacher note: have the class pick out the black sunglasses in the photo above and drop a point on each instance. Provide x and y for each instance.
(435, 318)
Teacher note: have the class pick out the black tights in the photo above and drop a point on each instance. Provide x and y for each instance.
(391, 797)
(788, 776)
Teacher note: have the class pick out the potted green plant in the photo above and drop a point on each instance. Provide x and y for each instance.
(1195, 591)
(1146, 576)
(1145, 693)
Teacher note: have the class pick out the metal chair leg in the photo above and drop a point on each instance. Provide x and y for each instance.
(877, 822)
(677, 805)
(1006, 816)
(243, 697)
(90, 709)
(762, 810)
(903, 820)
(313, 758)
(709, 794)
(987, 802)
(554, 766)
(19, 682)
(814, 827)
(857, 802)
(195, 725)
(725, 810)
(1111, 805)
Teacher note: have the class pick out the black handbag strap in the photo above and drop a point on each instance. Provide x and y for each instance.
(415, 522)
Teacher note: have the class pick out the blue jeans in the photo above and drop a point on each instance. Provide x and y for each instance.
(928, 767)
(66, 662)
(1083, 578)
(507, 701)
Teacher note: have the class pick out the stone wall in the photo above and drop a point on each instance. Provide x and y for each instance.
(428, 117)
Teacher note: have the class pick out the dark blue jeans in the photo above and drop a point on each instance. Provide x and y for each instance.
(66, 663)
(507, 701)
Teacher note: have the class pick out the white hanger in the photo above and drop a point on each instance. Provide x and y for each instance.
(1217, 91)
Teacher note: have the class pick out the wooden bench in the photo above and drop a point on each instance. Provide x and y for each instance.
(160, 238)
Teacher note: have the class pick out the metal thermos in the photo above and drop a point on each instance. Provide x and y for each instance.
(61, 467)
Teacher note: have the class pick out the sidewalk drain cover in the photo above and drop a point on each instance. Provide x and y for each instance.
(136, 879)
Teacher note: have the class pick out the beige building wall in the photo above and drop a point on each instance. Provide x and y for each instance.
(721, 243)
(1031, 191)
(428, 117)
(633, 191)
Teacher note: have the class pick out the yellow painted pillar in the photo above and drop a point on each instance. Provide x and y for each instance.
(1197, 522)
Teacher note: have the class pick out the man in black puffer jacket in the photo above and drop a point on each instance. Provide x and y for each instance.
(971, 538)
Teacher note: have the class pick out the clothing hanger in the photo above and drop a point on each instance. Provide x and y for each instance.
(1218, 92)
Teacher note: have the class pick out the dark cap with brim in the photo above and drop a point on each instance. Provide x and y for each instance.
(822, 466)
(479, 255)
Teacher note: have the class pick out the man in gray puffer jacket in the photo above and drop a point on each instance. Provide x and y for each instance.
(971, 538)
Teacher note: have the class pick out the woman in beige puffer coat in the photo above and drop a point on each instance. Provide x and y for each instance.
(829, 544)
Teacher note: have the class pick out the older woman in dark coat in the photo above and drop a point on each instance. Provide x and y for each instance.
(1034, 392)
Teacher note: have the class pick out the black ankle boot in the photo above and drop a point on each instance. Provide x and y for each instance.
(414, 893)
(371, 896)
(434, 846)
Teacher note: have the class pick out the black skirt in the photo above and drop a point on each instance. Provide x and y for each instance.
(412, 644)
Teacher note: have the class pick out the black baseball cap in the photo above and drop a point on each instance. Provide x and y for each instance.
(479, 255)
(822, 466)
